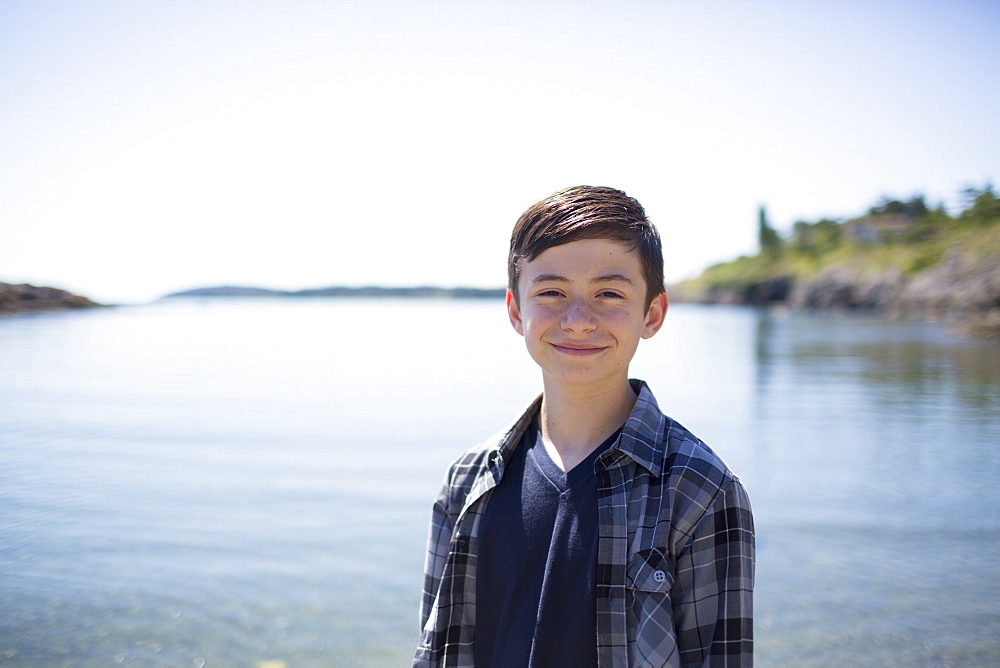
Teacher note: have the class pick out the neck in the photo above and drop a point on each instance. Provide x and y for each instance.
(575, 422)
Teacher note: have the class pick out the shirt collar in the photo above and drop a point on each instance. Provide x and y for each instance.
(639, 438)
(511, 436)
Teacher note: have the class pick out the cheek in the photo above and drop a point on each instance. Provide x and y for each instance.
(541, 316)
(622, 319)
(628, 331)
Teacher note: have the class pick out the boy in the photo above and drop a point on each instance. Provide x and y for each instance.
(594, 531)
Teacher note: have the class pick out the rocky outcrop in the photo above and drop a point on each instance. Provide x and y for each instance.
(847, 287)
(963, 283)
(764, 293)
(963, 288)
(24, 298)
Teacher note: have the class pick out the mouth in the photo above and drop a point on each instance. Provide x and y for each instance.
(577, 349)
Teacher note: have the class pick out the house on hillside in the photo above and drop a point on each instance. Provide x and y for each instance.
(879, 228)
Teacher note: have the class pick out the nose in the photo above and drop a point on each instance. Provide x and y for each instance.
(578, 317)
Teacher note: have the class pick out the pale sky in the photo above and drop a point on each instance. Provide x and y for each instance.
(149, 147)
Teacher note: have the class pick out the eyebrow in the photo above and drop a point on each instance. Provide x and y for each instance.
(607, 278)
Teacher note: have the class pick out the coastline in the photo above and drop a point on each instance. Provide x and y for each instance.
(961, 287)
(26, 298)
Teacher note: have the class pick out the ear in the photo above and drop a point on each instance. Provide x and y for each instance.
(655, 315)
(514, 313)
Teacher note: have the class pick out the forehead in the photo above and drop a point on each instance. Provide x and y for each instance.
(585, 259)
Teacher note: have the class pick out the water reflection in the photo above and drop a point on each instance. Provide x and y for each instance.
(876, 485)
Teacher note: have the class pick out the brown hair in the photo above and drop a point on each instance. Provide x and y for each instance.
(586, 212)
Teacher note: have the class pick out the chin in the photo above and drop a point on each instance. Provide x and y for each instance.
(580, 376)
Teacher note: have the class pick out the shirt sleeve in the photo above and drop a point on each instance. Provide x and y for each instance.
(438, 540)
(712, 596)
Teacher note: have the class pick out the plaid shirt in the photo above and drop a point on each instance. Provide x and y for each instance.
(675, 565)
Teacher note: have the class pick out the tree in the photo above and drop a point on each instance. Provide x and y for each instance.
(913, 208)
(767, 236)
(983, 205)
(816, 238)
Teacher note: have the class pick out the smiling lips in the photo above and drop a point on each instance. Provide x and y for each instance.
(578, 349)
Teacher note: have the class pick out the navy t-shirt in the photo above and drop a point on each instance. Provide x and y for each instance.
(536, 602)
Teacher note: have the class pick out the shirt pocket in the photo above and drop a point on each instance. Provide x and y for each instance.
(649, 571)
(652, 640)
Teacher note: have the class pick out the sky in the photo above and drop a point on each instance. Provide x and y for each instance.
(150, 147)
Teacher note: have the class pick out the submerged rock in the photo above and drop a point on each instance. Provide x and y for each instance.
(981, 325)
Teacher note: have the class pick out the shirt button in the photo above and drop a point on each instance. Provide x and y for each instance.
(659, 576)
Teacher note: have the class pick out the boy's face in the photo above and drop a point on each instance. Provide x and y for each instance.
(582, 311)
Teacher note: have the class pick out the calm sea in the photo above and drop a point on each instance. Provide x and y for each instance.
(247, 482)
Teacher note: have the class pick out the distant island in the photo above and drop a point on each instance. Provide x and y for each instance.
(25, 298)
(900, 258)
(422, 292)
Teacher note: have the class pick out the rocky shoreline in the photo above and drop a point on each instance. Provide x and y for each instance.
(963, 289)
(25, 298)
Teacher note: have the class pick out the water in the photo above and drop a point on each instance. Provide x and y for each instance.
(235, 482)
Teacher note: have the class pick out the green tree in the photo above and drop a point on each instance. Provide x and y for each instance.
(913, 208)
(983, 206)
(816, 238)
(767, 236)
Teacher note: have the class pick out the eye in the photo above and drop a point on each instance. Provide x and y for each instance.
(611, 294)
(549, 293)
